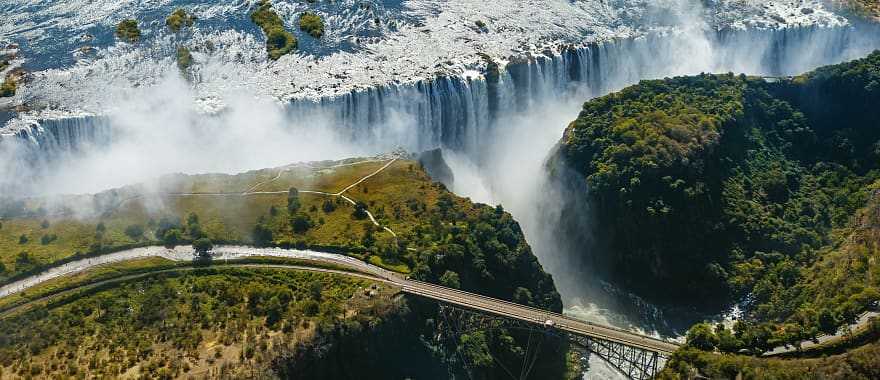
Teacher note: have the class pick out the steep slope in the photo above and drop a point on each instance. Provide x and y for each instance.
(384, 210)
(860, 363)
(229, 323)
(720, 187)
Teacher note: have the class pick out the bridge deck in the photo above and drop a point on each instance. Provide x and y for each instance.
(536, 316)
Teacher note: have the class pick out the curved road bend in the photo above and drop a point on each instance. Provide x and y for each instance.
(185, 253)
(15, 309)
(439, 293)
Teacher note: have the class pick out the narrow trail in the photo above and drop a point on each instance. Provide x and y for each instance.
(287, 168)
(394, 159)
(252, 190)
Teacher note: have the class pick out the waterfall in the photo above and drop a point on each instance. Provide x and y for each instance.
(459, 112)
(51, 138)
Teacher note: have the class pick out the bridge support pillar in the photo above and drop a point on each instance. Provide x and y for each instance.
(633, 362)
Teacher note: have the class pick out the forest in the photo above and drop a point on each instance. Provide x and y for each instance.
(210, 322)
(729, 188)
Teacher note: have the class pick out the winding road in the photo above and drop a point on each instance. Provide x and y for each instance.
(446, 295)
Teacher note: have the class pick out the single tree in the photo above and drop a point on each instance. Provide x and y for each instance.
(263, 235)
(179, 19)
(701, 336)
(727, 342)
(135, 231)
(450, 279)
(128, 31)
(203, 247)
(827, 321)
(328, 206)
(300, 223)
(171, 237)
(316, 288)
(360, 211)
(368, 239)
(312, 24)
(293, 203)
(522, 296)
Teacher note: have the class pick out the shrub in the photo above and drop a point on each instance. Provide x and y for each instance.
(328, 206)
(312, 24)
(360, 211)
(450, 279)
(135, 231)
(184, 58)
(179, 19)
(278, 40)
(127, 30)
(301, 223)
(203, 246)
(263, 235)
(310, 308)
(293, 203)
(171, 237)
(702, 337)
(48, 238)
(7, 89)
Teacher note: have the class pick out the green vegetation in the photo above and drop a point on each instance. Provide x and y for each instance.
(127, 30)
(867, 8)
(203, 246)
(229, 321)
(312, 24)
(278, 40)
(859, 363)
(179, 19)
(184, 58)
(437, 233)
(7, 89)
(722, 187)
(94, 275)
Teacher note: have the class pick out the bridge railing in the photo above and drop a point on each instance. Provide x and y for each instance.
(545, 313)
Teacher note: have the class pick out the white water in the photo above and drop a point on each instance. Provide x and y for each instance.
(498, 136)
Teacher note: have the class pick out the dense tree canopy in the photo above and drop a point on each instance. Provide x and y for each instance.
(723, 186)
(127, 30)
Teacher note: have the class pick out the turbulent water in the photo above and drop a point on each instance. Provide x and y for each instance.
(389, 74)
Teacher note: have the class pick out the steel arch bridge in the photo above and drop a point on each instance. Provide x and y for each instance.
(635, 356)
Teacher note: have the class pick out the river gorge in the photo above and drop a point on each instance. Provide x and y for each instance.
(497, 124)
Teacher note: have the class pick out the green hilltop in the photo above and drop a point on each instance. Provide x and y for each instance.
(724, 187)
